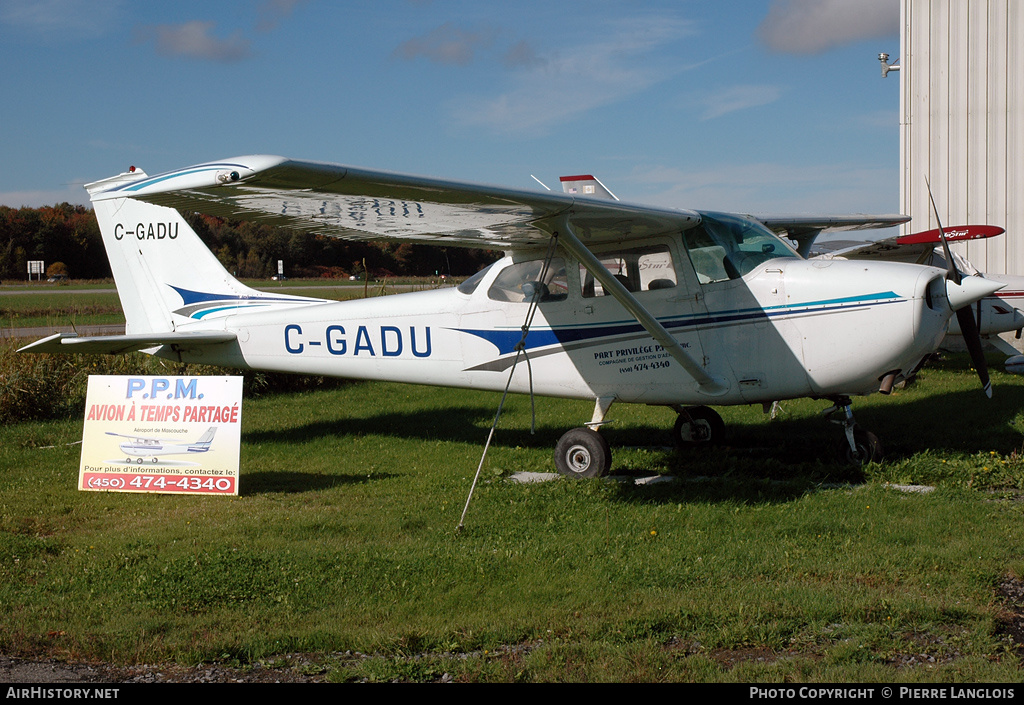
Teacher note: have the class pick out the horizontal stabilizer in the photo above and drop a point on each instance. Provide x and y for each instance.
(115, 344)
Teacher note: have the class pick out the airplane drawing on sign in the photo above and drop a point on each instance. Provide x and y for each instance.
(142, 447)
(602, 300)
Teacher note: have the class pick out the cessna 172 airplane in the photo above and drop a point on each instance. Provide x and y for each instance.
(140, 447)
(603, 300)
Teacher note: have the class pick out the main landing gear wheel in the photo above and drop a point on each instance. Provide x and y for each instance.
(582, 452)
(696, 426)
(868, 448)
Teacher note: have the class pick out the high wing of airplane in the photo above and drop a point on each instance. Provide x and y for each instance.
(603, 300)
(1001, 312)
(141, 447)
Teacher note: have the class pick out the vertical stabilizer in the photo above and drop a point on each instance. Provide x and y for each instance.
(207, 437)
(586, 185)
(203, 444)
(165, 275)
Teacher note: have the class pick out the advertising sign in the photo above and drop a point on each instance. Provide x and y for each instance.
(177, 435)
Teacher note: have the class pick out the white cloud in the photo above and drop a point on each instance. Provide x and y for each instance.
(272, 12)
(521, 55)
(82, 18)
(729, 100)
(446, 44)
(765, 187)
(195, 41)
(815, 26)
(554, 88)
(75, 195)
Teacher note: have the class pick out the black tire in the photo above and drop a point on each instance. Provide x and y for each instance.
(698, 426)
(869, 448)
(582, 452)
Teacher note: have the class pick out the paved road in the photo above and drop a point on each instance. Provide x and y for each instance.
(4, 291)
(297, 290)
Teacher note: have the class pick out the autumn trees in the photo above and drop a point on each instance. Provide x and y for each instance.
(69, 234)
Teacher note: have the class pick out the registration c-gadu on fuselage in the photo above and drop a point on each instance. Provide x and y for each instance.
(390, 341)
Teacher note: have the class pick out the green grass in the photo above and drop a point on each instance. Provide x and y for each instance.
(763, 561)
(57, 307)
(74, 303)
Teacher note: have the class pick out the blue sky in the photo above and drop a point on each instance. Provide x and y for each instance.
(757, 105)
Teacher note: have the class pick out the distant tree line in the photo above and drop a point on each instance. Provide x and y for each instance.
(69, 234)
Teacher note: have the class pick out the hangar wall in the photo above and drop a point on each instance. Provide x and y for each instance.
(962, 122)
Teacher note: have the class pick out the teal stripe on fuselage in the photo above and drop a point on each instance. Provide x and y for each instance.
(507, 340)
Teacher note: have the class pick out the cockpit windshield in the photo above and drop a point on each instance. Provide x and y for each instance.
(727, 246)
(469, 286)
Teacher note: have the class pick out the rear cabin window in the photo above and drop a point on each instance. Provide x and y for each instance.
(638, 269)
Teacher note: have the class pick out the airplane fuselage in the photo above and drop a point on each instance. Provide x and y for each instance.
(146, 449)
(771, 334)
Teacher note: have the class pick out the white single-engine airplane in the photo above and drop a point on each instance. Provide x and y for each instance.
(603, 300)
(141, 447)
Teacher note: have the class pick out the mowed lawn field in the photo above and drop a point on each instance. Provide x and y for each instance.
(760, 560)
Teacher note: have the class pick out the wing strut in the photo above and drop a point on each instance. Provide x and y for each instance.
(712, 386)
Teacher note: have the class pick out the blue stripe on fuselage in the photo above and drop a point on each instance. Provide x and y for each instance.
(507, 340)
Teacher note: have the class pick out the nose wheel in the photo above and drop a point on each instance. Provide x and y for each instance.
(865, 448)
(858, 447)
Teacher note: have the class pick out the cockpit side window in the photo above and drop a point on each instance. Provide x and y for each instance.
(726, 247)
(519, 282)
(638, 269)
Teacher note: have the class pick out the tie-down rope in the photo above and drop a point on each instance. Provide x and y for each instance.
(520, 349)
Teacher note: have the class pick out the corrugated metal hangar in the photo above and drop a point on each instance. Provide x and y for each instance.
(961, 71)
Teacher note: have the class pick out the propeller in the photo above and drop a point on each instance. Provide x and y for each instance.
(964, 314)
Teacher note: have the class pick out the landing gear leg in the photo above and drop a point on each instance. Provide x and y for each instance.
(859, 447)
